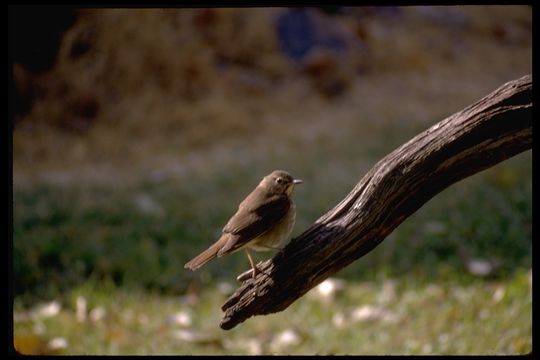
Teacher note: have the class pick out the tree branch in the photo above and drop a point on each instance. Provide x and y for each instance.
(487, 132)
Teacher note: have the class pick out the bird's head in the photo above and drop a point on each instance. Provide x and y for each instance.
(279, 182)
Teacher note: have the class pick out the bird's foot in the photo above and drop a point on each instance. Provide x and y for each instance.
(251, 273)
(246, 275)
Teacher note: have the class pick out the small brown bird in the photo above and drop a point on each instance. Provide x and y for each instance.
(264, 221)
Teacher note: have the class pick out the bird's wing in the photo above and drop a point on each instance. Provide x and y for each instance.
(251, 220)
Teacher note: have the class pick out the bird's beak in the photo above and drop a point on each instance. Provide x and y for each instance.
(297, 181)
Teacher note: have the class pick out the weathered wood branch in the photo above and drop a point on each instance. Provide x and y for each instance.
(487, 132)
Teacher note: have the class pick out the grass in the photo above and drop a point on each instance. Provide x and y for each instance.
(147, 229)
(406, 315)
(148, 232)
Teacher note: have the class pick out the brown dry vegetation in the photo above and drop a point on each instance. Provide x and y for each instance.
(133, 91)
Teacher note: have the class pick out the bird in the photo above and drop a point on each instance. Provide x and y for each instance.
(264, 221)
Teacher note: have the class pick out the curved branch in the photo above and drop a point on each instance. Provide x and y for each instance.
(487, 132)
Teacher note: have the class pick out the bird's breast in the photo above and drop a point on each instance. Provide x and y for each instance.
(279, 235)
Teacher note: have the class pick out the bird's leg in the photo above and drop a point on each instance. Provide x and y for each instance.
(254, 273)
(254, 270)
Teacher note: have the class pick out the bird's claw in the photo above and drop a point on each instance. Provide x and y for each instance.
(246, 275)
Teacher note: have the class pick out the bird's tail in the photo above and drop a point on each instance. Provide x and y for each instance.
(206, 256)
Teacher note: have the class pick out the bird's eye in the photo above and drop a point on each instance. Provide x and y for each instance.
(279, 180)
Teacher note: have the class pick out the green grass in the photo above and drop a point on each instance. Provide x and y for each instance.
(416, 315)
(149, 230)
(123, 249)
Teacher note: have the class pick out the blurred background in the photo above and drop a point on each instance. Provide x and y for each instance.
(136, 133)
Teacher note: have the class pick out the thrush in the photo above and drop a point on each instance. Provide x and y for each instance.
(264, 221)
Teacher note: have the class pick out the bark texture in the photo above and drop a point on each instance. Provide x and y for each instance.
(487, 132)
